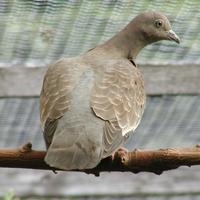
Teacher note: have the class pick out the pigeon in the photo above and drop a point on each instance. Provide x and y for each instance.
(91, 103)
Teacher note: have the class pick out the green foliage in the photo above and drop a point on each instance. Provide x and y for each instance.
(10, 195)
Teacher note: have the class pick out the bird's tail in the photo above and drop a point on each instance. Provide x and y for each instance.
(74, 151)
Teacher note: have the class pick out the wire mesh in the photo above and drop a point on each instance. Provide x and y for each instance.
(168, 121)
(37, 32)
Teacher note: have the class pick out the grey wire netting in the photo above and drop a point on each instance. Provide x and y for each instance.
(168, 121)
(38, 32)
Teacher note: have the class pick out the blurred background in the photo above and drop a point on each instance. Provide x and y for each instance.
(34, 33)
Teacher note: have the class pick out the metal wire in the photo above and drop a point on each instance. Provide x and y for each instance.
(169, 121)
(36, 32)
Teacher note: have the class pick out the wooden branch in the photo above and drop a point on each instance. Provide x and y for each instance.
(135, 161)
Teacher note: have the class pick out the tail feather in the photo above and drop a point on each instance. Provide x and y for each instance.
(75, 151)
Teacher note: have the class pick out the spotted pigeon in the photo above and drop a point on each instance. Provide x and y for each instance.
(89, 104)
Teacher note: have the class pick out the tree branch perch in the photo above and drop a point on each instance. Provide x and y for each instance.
(135, 161)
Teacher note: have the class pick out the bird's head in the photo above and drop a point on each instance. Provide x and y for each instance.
(144, 29)
(154, 26)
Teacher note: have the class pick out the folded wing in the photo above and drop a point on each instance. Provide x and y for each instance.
(118, 99)
(54, 97)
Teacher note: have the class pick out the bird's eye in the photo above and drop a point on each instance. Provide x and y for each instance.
(158, 23)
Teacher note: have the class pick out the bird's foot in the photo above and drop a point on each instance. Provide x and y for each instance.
(120, 154)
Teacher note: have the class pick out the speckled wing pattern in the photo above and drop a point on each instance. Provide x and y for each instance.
(54, 98)
(118, 99)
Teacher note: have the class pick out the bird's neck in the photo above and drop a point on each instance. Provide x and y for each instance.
(127, 43)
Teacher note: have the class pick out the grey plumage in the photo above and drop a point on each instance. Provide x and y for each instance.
(90, 103)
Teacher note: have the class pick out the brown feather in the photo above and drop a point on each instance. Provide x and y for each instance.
(55, 96)
(120, 102)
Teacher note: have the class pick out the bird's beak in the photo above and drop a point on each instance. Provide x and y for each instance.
(171, 35)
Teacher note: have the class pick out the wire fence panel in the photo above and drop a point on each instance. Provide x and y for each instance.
(38, 32)
(169, 121)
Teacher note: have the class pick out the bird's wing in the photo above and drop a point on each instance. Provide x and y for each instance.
(54, 97)
(118, 99)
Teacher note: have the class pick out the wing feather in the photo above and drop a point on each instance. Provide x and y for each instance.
(118, 99)
(55, 97)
